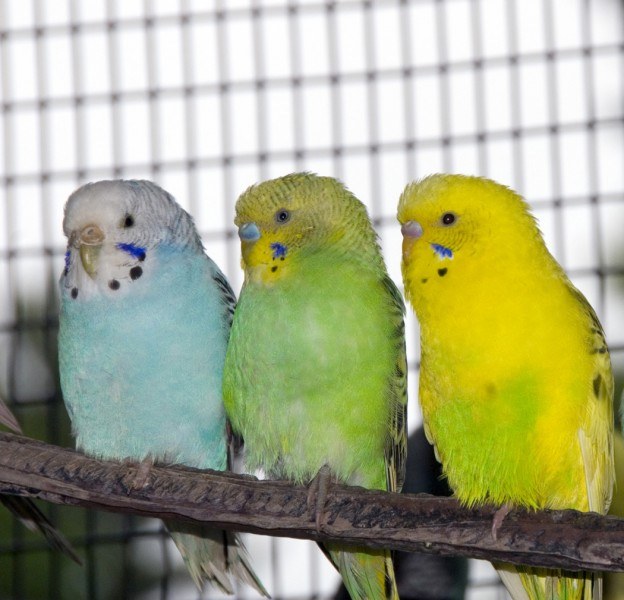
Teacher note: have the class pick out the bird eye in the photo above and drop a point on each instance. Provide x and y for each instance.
(128, 221)
(448, 218)
(282, 216)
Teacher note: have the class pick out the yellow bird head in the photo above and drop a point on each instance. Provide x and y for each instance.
(284, 220)
(456, 225)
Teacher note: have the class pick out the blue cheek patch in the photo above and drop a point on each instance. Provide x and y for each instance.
(132, 250)
(67, 261)
(442, 251)
(279, 250)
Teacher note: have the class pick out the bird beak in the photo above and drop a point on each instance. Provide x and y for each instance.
(249, 234)
(90, 243)
(411, 230)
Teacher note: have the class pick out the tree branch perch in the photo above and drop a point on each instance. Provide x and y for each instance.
(415, 523)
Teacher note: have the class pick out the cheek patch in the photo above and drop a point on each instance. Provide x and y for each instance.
(442, 251)
(279, 250)
(134, 251)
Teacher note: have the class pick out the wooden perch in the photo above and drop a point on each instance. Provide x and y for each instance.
(420, 523)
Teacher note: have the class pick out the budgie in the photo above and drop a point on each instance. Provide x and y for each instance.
(516, 387)
(315, 372)
(614, 581)
(7, 418)
(144, 324)
(26, 510)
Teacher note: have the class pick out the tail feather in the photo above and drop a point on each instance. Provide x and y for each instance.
(214, 555)
(240, 565)
(527, 583)
(28, 513)
(367, 574)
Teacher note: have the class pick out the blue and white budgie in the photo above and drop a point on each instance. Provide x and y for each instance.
(144, 324)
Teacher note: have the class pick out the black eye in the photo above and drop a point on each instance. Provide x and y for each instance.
(128, 221)
(282, 216)
(448, 218)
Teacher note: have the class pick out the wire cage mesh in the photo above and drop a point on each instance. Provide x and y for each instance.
(208, 97)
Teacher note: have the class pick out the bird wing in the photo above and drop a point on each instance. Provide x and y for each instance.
(234, 440)
(227, 293)
(396, 443)
(596, 433)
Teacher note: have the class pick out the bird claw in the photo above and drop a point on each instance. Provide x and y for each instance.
(317, 494)
(499, 517)
(138, 479)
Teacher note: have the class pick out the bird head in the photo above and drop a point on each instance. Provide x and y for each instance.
(455, 225)
(112, 228)
(282, 221)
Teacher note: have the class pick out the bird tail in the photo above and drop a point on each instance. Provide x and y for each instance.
(28, 513)
(214, 555)
(526, 583)
(367, 574)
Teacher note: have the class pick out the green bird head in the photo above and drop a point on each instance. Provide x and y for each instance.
(283, 221)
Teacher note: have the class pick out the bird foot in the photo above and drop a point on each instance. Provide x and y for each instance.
(499, 517)
(317, 494)
(137, 475)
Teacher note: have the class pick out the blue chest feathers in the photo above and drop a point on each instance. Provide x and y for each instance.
(141, 375)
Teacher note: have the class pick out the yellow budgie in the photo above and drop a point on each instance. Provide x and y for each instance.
(614, 582)
(516, 387)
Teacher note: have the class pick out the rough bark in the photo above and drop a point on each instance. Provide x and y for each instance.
(418, 523)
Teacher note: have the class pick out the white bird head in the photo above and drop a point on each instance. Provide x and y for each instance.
(113, 228)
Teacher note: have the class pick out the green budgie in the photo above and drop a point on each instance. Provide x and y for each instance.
(144, 324)
(315, 372)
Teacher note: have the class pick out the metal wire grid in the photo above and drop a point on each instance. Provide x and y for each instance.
(207, 98)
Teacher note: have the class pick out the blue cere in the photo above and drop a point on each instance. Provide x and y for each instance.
(132, 250)
(442, 251)
(249, 232)
(279, 250)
